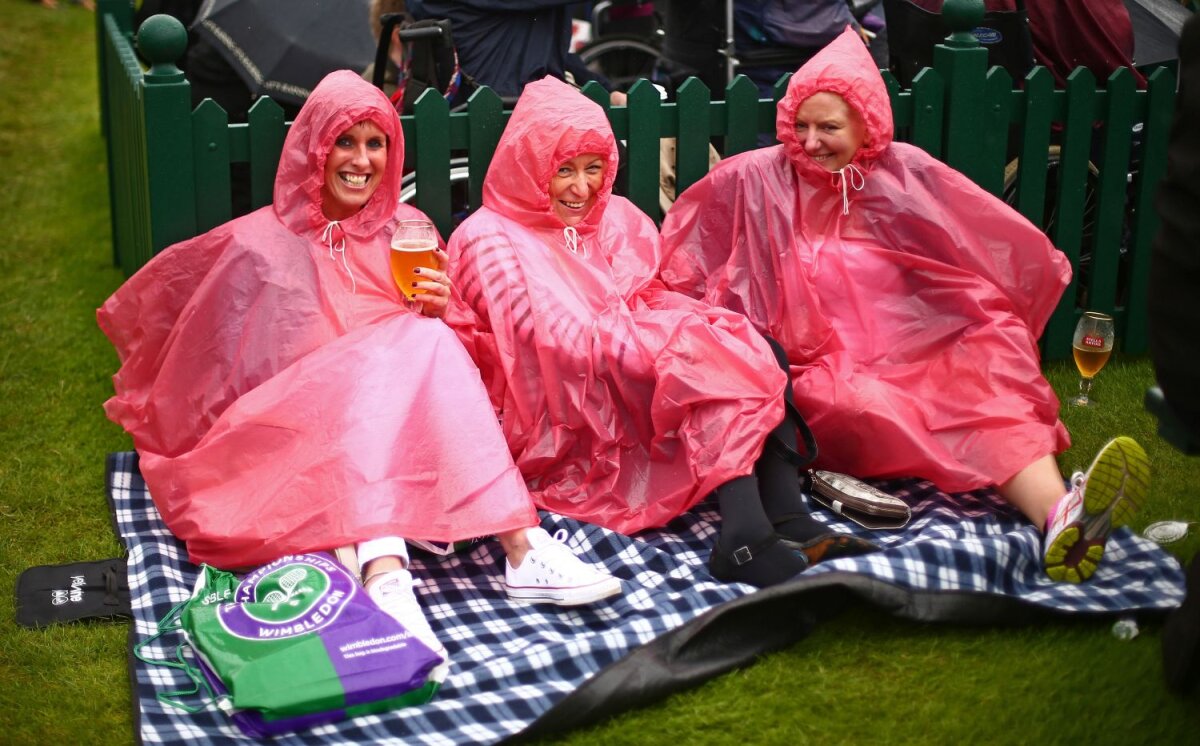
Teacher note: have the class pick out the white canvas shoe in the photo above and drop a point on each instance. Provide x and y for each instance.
(393, 593)
(551, 573)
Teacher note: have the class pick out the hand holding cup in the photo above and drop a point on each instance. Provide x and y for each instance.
(433, 289)
(418, 266)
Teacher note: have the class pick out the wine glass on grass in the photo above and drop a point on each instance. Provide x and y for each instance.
(1092, 346)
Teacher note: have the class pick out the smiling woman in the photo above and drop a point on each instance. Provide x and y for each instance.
(574, 187)
(830, 131)
(270, 370)
(912, 340)
(353, 170)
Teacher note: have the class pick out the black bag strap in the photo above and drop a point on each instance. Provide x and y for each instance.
(787, 453)
(777, 446)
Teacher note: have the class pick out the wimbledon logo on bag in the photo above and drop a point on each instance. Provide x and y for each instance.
(294, 595)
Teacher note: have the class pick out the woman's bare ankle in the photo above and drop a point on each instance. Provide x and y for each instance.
(515, 545)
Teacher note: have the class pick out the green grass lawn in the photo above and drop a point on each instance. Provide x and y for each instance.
(862, 678)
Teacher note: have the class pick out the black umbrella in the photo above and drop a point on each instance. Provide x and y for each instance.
(282, 48)
(1156, 28)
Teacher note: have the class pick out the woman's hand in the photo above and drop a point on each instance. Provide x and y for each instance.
(434, 287)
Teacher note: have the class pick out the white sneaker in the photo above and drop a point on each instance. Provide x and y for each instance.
(1104, 499)
(552, 573)
(393, 593)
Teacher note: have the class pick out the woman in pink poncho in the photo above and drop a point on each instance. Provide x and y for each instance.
(908, 301)
(623, 403)
(283, 399)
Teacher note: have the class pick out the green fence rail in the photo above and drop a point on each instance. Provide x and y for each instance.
(1082, 162)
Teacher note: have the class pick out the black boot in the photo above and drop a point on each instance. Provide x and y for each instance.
(801, 532)
(770, 562)
(779, 471)
(748, 551)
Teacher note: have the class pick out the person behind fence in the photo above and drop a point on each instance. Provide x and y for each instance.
(283, 399)
(504, 44)
(1175, 255)
(624, 404)
(1173, 319)
(766, 34)
(909, 302)
(1068, 34)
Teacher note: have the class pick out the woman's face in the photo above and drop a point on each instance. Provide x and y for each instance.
(353, 170)
(830, 131)
(574, 185)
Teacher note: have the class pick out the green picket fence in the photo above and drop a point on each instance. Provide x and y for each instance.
(1082, 162)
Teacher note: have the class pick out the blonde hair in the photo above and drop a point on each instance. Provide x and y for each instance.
(379, 7)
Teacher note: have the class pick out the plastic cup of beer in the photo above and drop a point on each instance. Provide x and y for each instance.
(413, 245)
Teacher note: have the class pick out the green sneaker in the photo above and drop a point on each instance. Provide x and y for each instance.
(1106, 498)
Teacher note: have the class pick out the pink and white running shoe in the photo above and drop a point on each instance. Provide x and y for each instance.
(1105, 498)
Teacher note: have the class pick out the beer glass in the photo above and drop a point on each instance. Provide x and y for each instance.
(413, 245)
(1092, 347)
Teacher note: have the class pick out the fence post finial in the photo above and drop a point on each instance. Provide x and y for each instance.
(961, 16)
(962, 62)
(162, 40)
(166, 112)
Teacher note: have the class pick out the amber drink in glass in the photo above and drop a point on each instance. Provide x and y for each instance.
(413, 245)
(1092, 346)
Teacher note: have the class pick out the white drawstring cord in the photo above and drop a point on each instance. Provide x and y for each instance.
(856, 181)
(327, 237)
(571, 236)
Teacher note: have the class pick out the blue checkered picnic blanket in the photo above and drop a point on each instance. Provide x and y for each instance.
(512, 662)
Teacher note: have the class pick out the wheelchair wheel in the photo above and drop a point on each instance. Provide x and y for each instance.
(622, 59)
(1050, 212)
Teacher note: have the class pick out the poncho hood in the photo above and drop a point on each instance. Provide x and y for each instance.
(551, 123)
(341, 100)
(843, 67)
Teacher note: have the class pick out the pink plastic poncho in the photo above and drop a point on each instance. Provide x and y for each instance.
(281, 397)
(909, 300)
(623, 403)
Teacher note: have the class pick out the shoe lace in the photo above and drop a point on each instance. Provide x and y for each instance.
(1063, 506)
(395, 591)
(557, 560)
